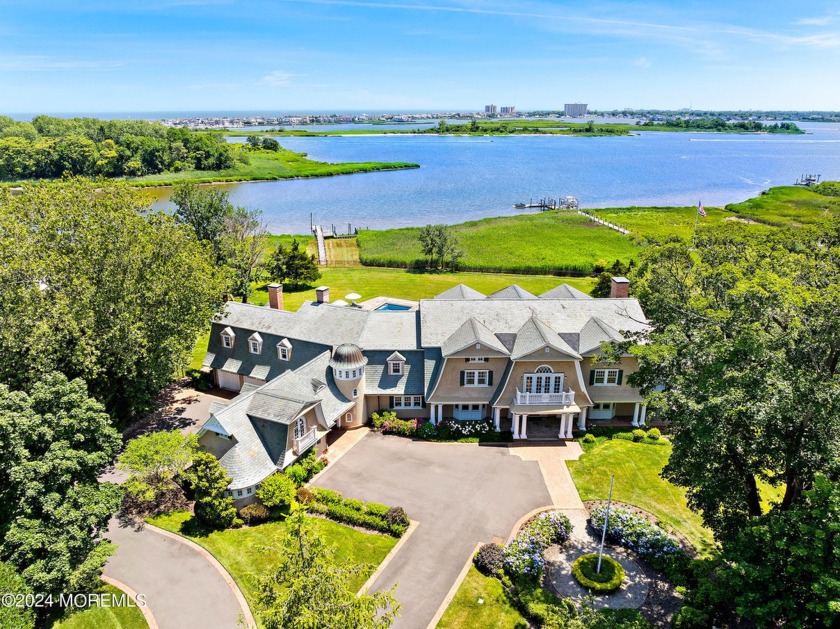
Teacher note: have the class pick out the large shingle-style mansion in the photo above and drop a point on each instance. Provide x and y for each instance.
(511, 356)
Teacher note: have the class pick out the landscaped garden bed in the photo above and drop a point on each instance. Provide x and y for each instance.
(467, 431)
(611, 575)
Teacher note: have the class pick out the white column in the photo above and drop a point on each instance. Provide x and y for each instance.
(636, 414)
(432, 414)
(440, 413)
(497, 416)
(644, 415)
(515, 427)
(523, 433)
(562, 433)
(570, 422)
(582, 418)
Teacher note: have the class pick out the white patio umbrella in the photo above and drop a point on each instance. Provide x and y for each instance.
(353, 296)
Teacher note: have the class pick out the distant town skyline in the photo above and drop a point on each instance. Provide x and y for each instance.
(317, 55)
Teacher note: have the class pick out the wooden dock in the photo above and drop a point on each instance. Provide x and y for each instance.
(322, 248)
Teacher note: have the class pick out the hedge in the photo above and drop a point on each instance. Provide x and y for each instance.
(610, 578)
(374, 516)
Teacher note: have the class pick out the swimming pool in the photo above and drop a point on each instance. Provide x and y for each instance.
(394, 307)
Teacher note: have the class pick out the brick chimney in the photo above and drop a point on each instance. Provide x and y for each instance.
(323, 294)
(619, 287)
(275, 296)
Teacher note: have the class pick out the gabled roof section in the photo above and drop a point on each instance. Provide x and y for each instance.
(460, 291)
(564, 291)
(396, 356)
(228, 331)
(276, 407)
(472, 332)
(596, 332)
(255, 337)
(285, 343)
(535, 335)
(512, 292)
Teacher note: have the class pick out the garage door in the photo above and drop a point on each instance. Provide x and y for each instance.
(229, 381)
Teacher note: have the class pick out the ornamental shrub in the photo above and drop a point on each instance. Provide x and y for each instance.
(352, 503)
(278, 490)
(624, 436)
(377, 508)
(305, 496)
(638, 434)
(378, 418)
(296, 473)
(426, 430)
(397, 516)
(609, 579)
(490, 559)
(452, 429)
(654, 434)
(647, 540)
(402, 427)
(523, 555)
(327, 496)
(311, 464)
(589, 438)
(254, 513)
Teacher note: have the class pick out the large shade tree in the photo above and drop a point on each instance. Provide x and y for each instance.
(94, 285)
(55, 442)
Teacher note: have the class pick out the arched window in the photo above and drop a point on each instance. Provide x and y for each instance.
(544, 369)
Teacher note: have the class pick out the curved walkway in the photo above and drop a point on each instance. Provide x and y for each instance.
(182, 588)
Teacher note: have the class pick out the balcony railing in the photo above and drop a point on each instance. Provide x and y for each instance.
(307, 440)
(566, 398)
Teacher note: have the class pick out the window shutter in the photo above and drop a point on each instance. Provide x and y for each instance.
(620, 376)
(467, 359)
(463, 377)
(391, 399)
(423, 402)
(490, 378)
(592, 377)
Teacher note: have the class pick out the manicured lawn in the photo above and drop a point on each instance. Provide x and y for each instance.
(267, 165)
(545, 242)
(636, 467)
(787, 205)
(248, 553)
(481, 602)
(375, 281)
(102, 617)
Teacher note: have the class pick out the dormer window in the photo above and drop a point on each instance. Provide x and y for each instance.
(396, 363)
(228, 337)
(284, 350)
(255, 343)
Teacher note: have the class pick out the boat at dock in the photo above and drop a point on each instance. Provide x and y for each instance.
(547, 203)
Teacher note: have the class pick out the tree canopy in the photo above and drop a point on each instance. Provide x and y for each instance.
(242, 244)
(55, 441)
(154, 460)
(292, 265)
(51, 147)
(95, 286)
(209, 482)
(440, 246)
(206, 210)
(309, 588)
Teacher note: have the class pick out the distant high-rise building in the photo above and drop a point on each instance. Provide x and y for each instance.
(576, 110)
(489, 109)
(508, 110)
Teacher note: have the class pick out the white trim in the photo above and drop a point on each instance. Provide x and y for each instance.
(606, 375)
(416, 401)
(476, 373)
(395, 367)
(579, 374)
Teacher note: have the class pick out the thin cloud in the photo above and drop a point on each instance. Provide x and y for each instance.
(815, 21)
(642, 62)
(278, 78)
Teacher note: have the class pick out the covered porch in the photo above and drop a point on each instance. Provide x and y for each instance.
(540, 423)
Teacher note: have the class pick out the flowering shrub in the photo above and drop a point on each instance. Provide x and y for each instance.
(402, 427)
(523, 555)
(647, 540)
(490, 559)
(457, 429)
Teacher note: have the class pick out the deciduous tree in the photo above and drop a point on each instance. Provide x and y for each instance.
(440, 247)
(242, 244)
(310, 589)
(209, 482)
(292, 265)
(154, 460)
(205, 210)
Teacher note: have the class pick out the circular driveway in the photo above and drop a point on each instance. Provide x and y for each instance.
(460, 494)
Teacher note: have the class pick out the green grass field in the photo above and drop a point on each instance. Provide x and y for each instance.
(101, 617)
(637, 481)
(269, 165)
(248, 553)
(787, 205)
(546, 242)
(660, 223)
(481, 602)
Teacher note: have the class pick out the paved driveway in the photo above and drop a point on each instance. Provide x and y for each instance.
(182, 589)
(461, 494)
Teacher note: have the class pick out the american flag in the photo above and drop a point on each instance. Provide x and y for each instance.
(700, 209)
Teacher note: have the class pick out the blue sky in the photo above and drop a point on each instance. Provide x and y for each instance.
(152, 55)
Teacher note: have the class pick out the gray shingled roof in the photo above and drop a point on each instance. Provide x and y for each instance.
(326, 324)
(432, 363)
(379, 381)
(258, 419)
(564, 291)
(471, 332)
(594, 333)
(535, 335)
(513, 291)
(460, 291)
(441, 318)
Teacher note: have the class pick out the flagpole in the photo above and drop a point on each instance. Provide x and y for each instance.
(606, 520)
(696, 217)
